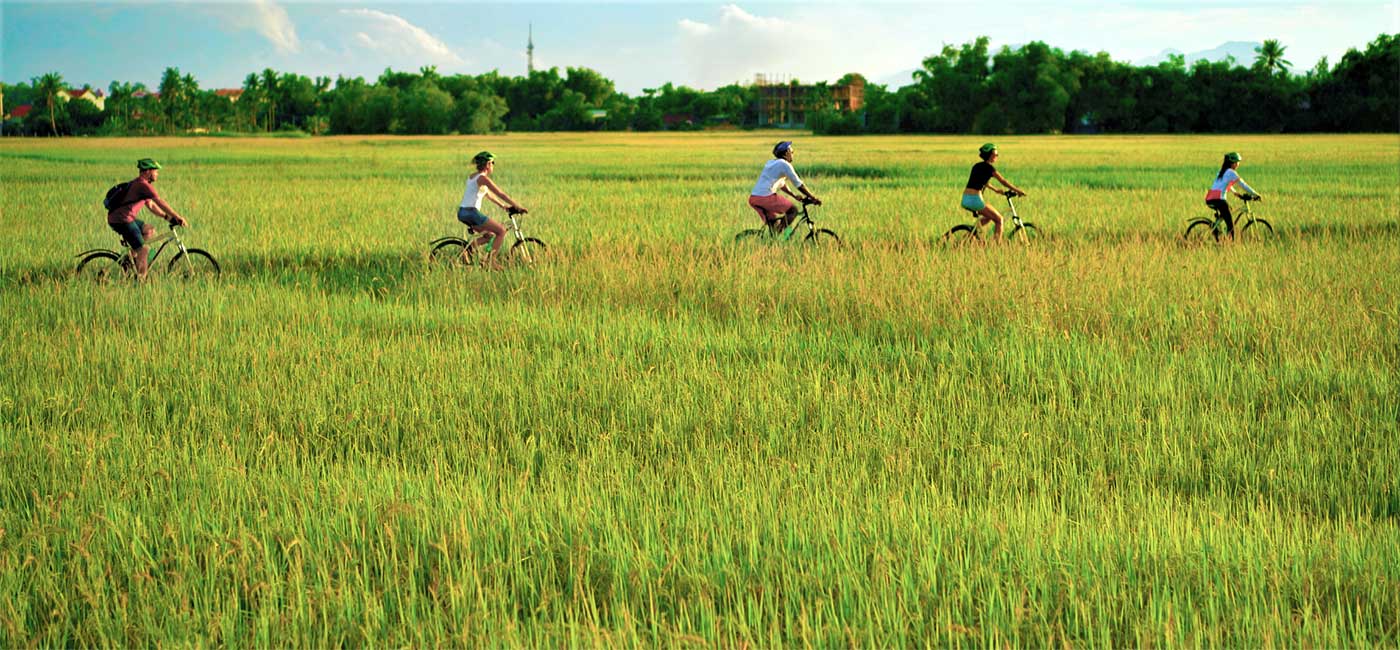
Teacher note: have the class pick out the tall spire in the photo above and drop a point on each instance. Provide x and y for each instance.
(530, 50)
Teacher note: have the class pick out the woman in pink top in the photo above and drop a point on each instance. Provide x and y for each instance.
(1224, 181)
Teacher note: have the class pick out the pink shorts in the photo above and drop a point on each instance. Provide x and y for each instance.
(770, 207)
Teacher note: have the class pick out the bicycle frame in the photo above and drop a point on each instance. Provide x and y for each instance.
(803, 218)
(512, 228)
(1015, 218)
(164, 239)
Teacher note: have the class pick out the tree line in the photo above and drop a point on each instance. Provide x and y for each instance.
(962, 89)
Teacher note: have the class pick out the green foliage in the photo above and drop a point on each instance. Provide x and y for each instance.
(1034, 88)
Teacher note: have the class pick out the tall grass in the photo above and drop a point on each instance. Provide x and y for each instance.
(661, 438)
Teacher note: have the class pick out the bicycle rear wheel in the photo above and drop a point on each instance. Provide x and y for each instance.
(752, 234)
(197, 264)
(102, 267)
(822, 238)
(960, 234)
(452, 253)
(528, 251)
(1199, 229)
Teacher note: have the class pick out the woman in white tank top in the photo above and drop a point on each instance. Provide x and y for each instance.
(479, 185)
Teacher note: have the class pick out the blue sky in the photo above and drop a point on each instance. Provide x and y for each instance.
(637, 44)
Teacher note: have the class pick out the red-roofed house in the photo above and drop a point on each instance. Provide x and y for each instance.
(231, 94)
(97, 97)
(20, 111)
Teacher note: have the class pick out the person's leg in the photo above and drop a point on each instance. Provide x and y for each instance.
(990, 214)
(788, 217)
(134, 235)
(494, 237)
(1229, 219)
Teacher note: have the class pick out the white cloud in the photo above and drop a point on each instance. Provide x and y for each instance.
(266, 18)
(739, 44)
(392, 36)
(742, 44)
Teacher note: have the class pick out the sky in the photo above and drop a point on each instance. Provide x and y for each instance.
(636, 44)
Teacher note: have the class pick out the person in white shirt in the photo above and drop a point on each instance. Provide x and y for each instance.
(479, 186)
(775, 210)
(1215, 198)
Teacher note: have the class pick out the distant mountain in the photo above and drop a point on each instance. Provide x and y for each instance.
(893, 82)
(1243, 51)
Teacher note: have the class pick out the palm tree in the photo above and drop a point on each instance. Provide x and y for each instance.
(269, 88)
(48, 87)
(252, 95)
(1270, 57)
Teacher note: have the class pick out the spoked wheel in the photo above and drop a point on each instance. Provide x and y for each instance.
(528, 251)
(1200, 229)
(1263, 231)
(194, 264)
(822, 238)
(752, 234)
(448, 253)
(102, 267)
(1024, 233)
(960, 234)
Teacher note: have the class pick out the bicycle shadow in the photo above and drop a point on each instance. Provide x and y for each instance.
(340, 273)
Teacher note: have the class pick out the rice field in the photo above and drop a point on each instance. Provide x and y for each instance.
(659, 437)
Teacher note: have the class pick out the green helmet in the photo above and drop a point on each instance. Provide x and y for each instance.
(147, 163)
(1232, 157)
(483, 158)
(987, 148)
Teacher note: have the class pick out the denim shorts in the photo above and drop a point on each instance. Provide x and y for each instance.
(472, 217)
(973, 202)
(131, 232)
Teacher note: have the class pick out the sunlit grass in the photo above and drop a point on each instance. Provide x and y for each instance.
(658, 437)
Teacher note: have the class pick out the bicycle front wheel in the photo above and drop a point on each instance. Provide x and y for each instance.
(1263, 231)
(822, 238)
(194, 263)
(102, 267)
(1199, 229)
(452, 253)
(528, 251)
(1025, 233)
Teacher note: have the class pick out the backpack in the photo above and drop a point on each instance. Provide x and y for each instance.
(114, 196)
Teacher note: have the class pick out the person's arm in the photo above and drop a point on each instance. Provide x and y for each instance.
(1248, 190)
(1002, 179)
(166, 212)
(497, 192)
(792, 176)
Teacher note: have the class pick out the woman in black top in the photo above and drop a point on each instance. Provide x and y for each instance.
(982, 174)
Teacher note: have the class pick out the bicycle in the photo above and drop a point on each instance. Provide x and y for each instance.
(103, 264)
(815, 236)
(970, 232)
(1217, 226)
(457, 251)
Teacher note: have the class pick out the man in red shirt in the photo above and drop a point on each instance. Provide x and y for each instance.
(141, 193)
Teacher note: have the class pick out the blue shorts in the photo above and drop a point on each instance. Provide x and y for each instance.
(973, 202)
(132, 233)
(472, 217)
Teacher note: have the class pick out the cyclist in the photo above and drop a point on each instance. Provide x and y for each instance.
(777, 212)
(982, 174)
(141, 193)
(493, 233)
(1224, 181)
